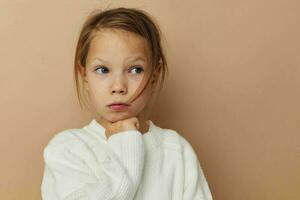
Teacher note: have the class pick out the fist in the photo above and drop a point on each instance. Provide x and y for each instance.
(121, 125)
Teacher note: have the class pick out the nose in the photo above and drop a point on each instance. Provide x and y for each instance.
(119, 85)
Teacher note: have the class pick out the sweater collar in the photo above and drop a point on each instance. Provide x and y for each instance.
(152, 138)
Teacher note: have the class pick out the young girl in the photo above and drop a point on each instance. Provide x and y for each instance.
(120, 154)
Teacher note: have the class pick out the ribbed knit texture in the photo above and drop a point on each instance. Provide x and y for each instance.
(83, 164)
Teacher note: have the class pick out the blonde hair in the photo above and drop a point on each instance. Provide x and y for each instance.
(128, 19)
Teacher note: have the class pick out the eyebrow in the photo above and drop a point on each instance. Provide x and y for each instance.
(132, 59)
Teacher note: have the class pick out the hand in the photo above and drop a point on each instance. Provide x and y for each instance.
(121, 125)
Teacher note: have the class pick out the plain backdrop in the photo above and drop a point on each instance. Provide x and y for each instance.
(233, 90)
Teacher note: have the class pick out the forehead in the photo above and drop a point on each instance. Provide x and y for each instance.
(118, 42)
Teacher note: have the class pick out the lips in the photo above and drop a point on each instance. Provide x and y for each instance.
(119, 106)
(118, 103)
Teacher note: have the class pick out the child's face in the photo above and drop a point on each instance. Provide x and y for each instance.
(113, 73)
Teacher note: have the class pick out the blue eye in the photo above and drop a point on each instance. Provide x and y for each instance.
(102, 69)
(105, 70)
(139, 69)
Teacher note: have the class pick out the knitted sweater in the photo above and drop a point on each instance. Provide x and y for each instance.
(83, 164)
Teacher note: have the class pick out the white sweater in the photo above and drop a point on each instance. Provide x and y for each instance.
(83, 164)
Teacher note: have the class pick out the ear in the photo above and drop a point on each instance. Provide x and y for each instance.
(155, 76)
(82, 71)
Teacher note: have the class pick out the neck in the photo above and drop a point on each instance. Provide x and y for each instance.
(144, 126)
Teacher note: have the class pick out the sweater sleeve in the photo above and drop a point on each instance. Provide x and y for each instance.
(195, 186)
(71, 174)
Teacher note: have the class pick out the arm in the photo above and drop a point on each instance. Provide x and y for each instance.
(68, 176)
(196, 186)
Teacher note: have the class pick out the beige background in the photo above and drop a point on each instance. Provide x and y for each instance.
(233, 90)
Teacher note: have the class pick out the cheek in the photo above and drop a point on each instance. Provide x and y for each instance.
(139, 82)
(144, 96)
(96, 85)
(96, 93)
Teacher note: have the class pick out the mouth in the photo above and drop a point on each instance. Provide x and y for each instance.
(118, 103)
(118, 106)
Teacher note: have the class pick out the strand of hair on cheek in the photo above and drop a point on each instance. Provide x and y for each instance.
(139, 90)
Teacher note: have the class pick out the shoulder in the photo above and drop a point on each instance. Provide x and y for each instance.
(69, 139)
(173, 140)
(64, 137)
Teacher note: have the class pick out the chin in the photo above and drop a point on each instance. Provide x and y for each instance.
(116, 117)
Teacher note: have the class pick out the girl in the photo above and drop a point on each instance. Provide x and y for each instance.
(120, 154)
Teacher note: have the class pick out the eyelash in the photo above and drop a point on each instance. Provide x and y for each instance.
(135, 67)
